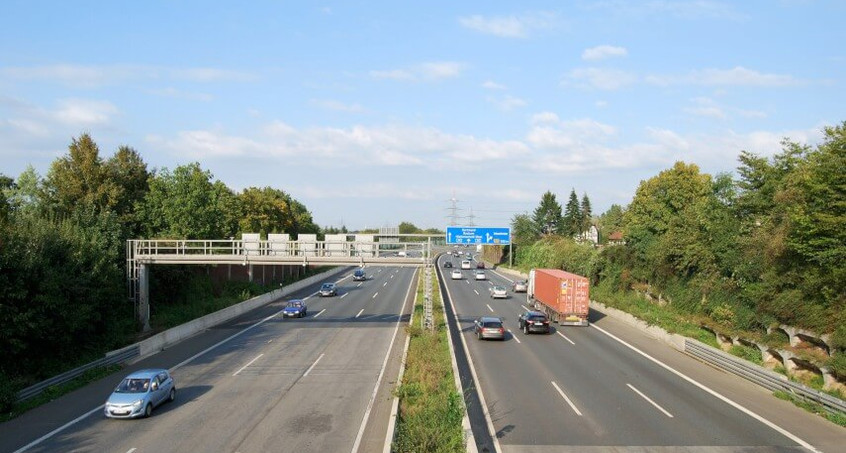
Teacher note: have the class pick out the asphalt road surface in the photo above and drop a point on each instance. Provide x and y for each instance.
(608, 387)
(260, 383)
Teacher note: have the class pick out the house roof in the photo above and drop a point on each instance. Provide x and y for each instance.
(616, 236)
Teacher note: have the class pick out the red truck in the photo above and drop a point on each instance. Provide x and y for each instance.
(563, 296)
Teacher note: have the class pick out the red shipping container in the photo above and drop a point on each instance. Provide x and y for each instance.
(564, 294)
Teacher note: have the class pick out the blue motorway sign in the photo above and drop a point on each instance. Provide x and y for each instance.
(478, 235)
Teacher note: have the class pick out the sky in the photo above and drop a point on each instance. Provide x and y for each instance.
(376, 113)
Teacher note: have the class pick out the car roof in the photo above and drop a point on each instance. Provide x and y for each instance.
(489, 319)
(145, 374)
(359, 271)
(328, 284)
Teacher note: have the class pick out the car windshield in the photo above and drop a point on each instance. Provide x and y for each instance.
(499, 288)
(133, 386)
(327, 286)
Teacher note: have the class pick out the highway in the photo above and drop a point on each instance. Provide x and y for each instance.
(608, 387)
(261, 383)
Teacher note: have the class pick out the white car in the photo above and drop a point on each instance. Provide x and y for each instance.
(480, 275)
(498, 292)
(456, 274)
(465, 264)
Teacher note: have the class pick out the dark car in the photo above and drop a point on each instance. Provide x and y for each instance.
(533, 321)
(327, 290)
(359, 275)
(139, 393)
(480, 264)
(447, 264)
(295, 308)
(488, 327)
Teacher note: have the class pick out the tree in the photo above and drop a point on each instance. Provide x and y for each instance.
(572, 223)
(79, 178)
(586, 214)
(547, 216)
(266, 210)
(25, 193)
(611, 220)
(127, 172)
(663, 221)
(186, 204)
(524, 230)
(408, 228)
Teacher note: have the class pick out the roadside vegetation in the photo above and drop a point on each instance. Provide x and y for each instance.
(697, 254)
(430, 409)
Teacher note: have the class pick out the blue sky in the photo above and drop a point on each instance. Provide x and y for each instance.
(373, 113)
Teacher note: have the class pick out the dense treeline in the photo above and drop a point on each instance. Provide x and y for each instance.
(765, 248)
(63, 296)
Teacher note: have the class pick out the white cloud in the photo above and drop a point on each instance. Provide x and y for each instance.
(393, 74)
(544, 117)
(491, 85)
(85, 112)
(441, 69)
(93, 76)
(687, 9)
(604, 51)
(423, 71)
(603, 79)
(174, 93)
(509, 26)
(737, 76)
(338, 106)
(601, 104)
(507, 103)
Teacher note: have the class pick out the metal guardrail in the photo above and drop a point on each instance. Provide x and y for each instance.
(761, 376)
(111, 358)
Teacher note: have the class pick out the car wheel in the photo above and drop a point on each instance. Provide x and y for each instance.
(525, 329)
(479, 336)
(172, 396)
(148, 411)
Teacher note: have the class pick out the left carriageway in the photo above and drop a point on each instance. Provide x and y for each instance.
(258, 383)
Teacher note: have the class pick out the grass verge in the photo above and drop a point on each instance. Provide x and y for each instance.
(838, 419)
(430, 409)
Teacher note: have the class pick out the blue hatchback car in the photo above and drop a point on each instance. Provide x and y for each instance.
(295, 308)
(140, 392)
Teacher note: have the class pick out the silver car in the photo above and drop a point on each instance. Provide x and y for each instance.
(140, 392)
(520, 286)
(498, 292)
(489, 328)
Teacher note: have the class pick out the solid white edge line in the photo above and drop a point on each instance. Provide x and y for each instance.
(489, 308)
(319, 313)
(313, 365)
(248, 364)
(650, 401)
(572, 406)
(514, 336)
(364, 421)
(359, 313)
(466, 420)
(564, 337)
(714, 393)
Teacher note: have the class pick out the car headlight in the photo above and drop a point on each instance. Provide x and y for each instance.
(137, 403)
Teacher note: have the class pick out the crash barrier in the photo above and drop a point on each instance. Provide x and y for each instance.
(111, 358)
(761, 376)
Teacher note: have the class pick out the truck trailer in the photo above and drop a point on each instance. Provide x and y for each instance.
(563, 296)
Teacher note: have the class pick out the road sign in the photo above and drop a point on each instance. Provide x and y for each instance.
(478, 235)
